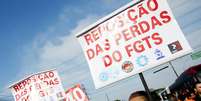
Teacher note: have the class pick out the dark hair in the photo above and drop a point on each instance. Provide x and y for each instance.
(189, 94)
(171, 97)
(138, 93)
(198, 82)
(155, 96)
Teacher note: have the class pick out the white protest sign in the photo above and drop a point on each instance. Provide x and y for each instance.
(131, 40)
(76, 94)
(44, 86)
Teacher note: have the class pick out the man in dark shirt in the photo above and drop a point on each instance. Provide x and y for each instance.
(198, 91)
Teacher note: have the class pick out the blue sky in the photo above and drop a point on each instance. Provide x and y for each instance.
(40, 34)
(20, 23)
(27, 27)
(23, 21)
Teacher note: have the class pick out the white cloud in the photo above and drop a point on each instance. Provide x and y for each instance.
(51, 53)
(68, 47)
(5, 94)
(65, 51)
(45, 53)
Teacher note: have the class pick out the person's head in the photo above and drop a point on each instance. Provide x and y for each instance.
(139, 96)
(198, 87)
(171, 97)
(190, 95)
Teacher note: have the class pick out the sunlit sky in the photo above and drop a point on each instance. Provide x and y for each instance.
(38, 35)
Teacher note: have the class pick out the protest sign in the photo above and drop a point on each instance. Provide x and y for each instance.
(76, 94)
(44, 86)
(131, 40)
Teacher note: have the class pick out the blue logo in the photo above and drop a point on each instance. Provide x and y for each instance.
(104, 76)
(159, 55)
(142, 61)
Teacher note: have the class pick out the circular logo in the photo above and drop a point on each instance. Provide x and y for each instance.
(127, 66)
(103, 76)
(142, 61)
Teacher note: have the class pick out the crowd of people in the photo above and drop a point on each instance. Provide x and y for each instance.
(183, 95)
(191, 94)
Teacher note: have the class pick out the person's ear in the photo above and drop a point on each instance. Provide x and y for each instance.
(195, 90)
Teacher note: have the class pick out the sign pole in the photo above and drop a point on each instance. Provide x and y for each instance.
(173, 69)
(145, 86)
(107, 97)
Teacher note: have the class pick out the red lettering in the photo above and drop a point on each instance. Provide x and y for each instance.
(119, 21)
(107, 60)
(134, 30)
(144, 26)
(51, 74)
(110, 26)
(117, 38)
(98, 49)
(42, 93)
(155, 22)
(90, 54)
(51, 82)
(24, 83)
(30, 88)
(138, 46)
(142, 11)
(25, 98)
(127, 35)
(88, 39)
(95, 34)
(166, 18)
(117, 56)
(45, 76)
(33, 78)
(128, 50)
(17, 97)
(40, 77)
(56, 81)
(146, 39)
(16, 88)
(157, 39)
(152, 5)
(20, 85)
(38, 86)
(78, 94)
(107, 45)
(131, 15)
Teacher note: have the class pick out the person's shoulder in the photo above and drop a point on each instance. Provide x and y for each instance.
(198, 98)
